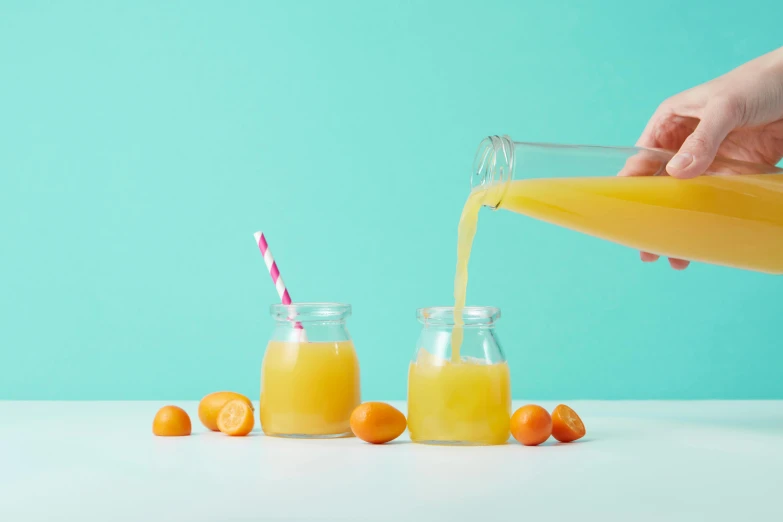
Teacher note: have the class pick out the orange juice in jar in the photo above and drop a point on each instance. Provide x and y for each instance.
(459, 386)
(310, 373)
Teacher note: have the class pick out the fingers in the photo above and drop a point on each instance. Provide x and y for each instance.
(647, 162)
(648, 257)
(644, 163)
(699, 149)
(677, 264)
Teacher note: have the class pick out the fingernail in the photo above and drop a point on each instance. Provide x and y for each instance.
(681, 161)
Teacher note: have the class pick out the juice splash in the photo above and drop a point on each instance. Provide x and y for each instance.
(309, 389)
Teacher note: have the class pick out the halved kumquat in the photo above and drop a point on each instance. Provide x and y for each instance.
(236, 418)
(566, 424)
(210, 406)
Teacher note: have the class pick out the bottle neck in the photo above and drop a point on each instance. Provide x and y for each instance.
(493, 169)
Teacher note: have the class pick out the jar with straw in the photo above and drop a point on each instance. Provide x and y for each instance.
(310, 380)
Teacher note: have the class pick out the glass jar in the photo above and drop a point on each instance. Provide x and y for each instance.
(310, 373)
(729, 217)
(459, 395)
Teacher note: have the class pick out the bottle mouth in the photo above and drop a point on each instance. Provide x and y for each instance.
(471, 315)
(493, 168)
(310, 312)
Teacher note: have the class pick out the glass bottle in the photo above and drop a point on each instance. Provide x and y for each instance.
(464, 400)
(310, 372)
(732, 216)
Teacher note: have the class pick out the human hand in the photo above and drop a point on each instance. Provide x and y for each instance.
(738, 115)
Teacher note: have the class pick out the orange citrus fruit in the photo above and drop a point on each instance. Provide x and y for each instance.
(531, 425)
(171, 421)
(210, 406)
(236, 418)
(566, 424)
(377, 422)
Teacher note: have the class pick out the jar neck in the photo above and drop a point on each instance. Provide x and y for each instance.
(305, 313)
(311, 322)
(318, 332)
(477, 340)
(472, 316)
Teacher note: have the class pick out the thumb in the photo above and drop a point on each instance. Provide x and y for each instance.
(700, 148)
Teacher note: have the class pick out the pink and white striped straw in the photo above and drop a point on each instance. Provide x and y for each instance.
(282, 291)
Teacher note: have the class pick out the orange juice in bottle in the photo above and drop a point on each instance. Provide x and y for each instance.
(731, 216)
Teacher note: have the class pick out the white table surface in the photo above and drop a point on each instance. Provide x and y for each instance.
(640, 461)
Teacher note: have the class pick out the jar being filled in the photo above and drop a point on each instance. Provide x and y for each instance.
(463, 400)
(310, 373)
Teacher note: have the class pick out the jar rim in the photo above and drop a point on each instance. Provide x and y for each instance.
(471, 315)
(310, 311)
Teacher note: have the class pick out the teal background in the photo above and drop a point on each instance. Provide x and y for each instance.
(142, 144)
